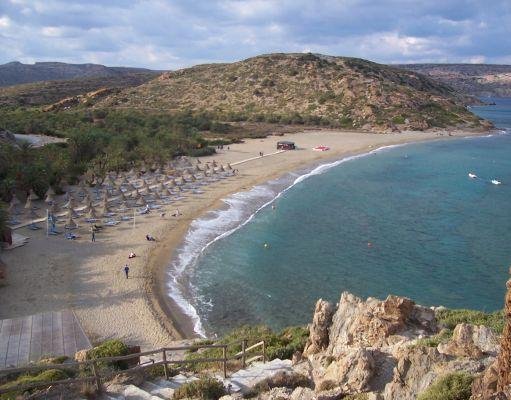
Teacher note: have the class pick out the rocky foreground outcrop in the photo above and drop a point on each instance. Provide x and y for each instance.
(376, 349)
(495, 382)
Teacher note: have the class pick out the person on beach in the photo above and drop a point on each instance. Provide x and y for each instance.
(150, 238)
(93, 234)
(132, 255)
(127, 271)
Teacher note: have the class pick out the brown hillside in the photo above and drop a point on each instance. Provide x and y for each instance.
(304, 88)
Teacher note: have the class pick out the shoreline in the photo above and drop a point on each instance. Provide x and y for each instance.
(52, 274)
(167, 307)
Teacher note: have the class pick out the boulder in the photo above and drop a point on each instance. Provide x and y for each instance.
(474, 341)
(372, 322)
(352, 372)
(318, 331)
(414, 372)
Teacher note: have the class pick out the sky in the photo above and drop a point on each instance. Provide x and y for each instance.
(171, 34)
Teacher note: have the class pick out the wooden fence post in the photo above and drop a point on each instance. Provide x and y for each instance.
(243, 355)
(224, 351)
(96, 375)
(165, 367)
(264, 351)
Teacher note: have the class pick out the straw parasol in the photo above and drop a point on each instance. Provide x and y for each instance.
(70, 224)
(28, 204)
(32, 195)
(71, 203)
(50, 191)
(92, 213)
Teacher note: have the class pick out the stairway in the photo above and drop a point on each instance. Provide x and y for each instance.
(163, 389)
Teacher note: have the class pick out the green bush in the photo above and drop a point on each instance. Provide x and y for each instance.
(204, 388)
(450, 318)
(50, 375)
(455, 386)
(433, 341)
(110, 348)
(278, 345)
(283, 379)
(398, 119)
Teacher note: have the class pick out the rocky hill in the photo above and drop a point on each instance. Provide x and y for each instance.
(47, 92)
(15, 73)
(305, 88)
(483, 80)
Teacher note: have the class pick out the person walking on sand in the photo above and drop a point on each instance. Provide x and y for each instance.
(93, 234)
(127, 271)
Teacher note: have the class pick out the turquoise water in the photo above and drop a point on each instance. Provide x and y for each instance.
(405, 220)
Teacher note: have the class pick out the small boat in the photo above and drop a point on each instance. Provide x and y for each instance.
(471, 175)
(496, 182)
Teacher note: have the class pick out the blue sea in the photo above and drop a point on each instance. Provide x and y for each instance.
(404, 220)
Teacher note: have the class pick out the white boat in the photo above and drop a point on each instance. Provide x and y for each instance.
(496, 182)
(471, 175)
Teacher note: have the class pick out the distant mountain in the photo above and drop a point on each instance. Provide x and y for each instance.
(483, 80)
(48, 92)
(309, 89)
(15, 73)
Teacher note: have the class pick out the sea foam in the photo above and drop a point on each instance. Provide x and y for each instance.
(240, 208)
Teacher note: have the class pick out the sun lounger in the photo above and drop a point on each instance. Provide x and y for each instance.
(71, 236)
(112, 223)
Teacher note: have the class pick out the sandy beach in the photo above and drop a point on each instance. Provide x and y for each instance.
(51, 273)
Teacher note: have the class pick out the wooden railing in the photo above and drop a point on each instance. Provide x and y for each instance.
(98, 375)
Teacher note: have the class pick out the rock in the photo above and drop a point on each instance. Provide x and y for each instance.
(414, 372)
(352, 372)
(318, 331)
(371, 322)
(496, 380)
(297, 358)
(332, 394)
(485, 385)
(474, 341)
(301, 393)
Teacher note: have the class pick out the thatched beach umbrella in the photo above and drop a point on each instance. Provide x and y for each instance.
(28, 204)
(70, 224)
(92, 213)
(50, 191)
(71, 203)
(49, 198)
(32, 195)
(104, 210)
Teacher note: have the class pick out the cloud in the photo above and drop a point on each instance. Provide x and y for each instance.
(169, 34)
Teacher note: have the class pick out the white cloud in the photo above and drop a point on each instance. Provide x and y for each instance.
(177, 33)
(5, 21)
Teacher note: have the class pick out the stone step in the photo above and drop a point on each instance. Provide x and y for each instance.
(132, 392)
(257, 372)
(157, 390)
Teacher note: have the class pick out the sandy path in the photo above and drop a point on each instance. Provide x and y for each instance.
(54, 273)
